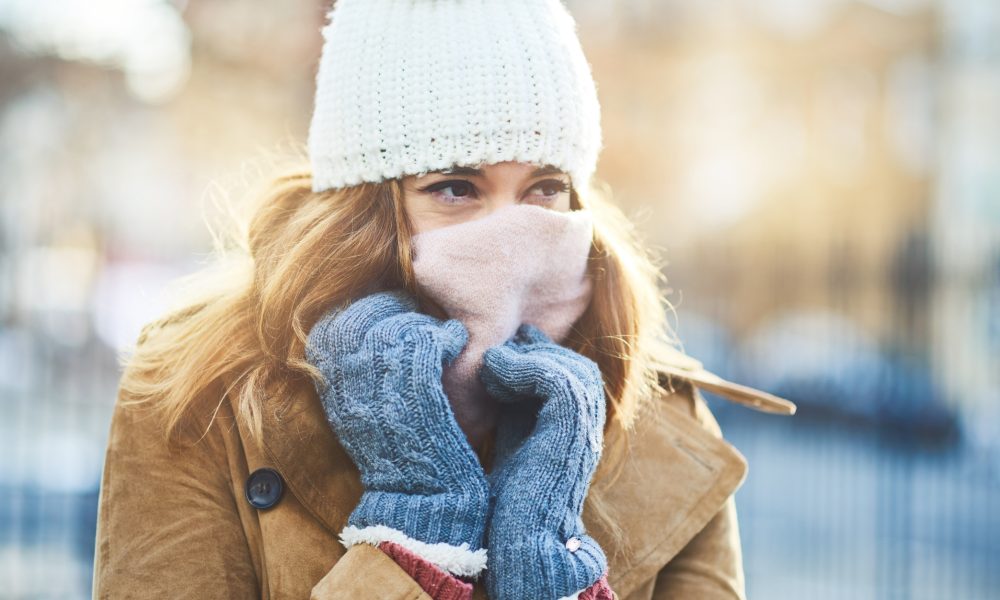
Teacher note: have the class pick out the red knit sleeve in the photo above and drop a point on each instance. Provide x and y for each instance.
(599, 591)
(438, 583)
(441, 585)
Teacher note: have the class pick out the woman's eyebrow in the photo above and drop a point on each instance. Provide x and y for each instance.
(462, 171)
(473, 172)
(546, 170)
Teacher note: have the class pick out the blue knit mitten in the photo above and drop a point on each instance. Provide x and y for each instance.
(536, 539)
(424, 486)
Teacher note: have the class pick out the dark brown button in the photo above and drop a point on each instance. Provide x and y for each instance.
(264, 488)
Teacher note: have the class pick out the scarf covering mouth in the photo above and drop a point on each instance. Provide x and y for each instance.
(522, 263)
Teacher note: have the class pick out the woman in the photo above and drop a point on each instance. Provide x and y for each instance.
(439, 368)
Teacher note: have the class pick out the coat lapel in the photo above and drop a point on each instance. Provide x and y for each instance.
(303, 447)
(676, 477)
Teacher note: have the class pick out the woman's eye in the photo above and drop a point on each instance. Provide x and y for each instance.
(452, 191)
(457, 191)
(551, 188)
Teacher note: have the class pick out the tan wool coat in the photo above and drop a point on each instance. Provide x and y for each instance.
(177, 524)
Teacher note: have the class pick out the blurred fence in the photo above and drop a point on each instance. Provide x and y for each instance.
(830, 511)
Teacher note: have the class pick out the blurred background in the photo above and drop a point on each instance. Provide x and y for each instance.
(822, 176)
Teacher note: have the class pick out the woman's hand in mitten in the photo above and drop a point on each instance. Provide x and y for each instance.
(382, 362)
(537, 544)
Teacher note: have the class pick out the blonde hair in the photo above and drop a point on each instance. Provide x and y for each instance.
(245, 319)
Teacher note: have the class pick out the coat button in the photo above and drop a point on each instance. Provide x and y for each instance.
(264, 488)
(573, 544)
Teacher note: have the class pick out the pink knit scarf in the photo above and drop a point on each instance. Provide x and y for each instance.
(522, 263)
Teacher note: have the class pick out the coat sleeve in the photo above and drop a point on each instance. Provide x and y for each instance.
(167, 524)
(710, 566)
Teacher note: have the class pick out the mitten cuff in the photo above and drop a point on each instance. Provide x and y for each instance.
(456, 519)
(460, 561)
(544, 566)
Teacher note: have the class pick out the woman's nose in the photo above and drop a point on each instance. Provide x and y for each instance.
(500, 200)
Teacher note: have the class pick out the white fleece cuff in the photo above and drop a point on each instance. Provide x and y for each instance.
(457, 560)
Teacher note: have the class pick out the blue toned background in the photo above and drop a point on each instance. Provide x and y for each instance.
(823, 177)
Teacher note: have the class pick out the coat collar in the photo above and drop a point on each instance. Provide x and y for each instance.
(674, 363)
(677, 476)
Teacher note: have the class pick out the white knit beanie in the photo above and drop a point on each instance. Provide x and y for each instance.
(405, 87)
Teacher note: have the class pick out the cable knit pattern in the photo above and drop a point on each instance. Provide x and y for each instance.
(410, 86)
(540, 480)
(383, 397)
